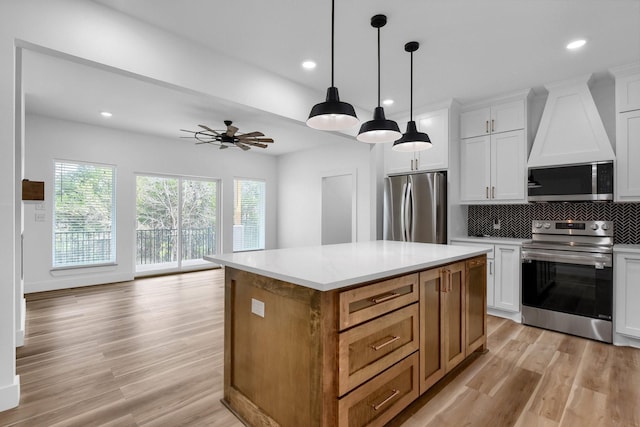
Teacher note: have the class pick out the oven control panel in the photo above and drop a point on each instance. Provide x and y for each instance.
(570, 227)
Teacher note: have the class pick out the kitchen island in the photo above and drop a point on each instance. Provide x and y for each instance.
(346, 334)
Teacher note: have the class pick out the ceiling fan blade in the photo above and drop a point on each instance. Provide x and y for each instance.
(231, 130)
(190, 131)
(250, 135)
(241, 145)
(254, 144)
(209, 129)
(262, 139)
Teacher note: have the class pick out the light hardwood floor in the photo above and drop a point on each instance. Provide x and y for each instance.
(149, 353)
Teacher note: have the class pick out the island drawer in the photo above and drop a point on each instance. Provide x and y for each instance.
(367, 302)
(368, 349)
(379, 400)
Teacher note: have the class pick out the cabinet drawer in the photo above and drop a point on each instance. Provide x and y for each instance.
(368, 349)
(361, 304)
(378, 401)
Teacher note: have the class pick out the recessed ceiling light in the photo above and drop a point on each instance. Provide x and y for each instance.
(106, 114)
(308, 65)
(576, 44)
(387, 102)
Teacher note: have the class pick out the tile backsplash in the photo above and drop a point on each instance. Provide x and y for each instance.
(515, 220)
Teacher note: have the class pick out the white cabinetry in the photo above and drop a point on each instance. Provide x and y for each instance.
(436, 125)
(503, 276)
(627, 133)
(627, 290)
(492, 119)
(492, 168)
(493, 153)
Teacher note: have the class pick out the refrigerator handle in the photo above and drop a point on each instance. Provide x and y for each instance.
(408, 217)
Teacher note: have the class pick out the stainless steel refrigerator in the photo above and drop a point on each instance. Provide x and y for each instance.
(415, 207)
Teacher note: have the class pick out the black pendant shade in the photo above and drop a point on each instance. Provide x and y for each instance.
(412, 140)
(379, 129)
(332, 114)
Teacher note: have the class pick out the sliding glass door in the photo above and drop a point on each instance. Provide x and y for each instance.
(176, 222)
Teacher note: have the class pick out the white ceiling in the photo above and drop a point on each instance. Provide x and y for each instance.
(470, 49)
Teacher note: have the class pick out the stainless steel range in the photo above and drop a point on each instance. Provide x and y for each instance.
(567, 278)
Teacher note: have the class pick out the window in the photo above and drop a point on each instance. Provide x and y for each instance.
(176, 222)
(248, 215)
(84, 214)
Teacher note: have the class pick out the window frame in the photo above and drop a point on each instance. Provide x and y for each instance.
(114, 254)
(264, 217)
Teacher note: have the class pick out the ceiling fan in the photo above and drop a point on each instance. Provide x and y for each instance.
(229, 137)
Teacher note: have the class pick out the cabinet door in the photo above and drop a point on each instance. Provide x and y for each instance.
(628, 156)
(507, 277)
(454, 299)
(436, 125)
(432, 366)
(475, 305)
(398, 161)
(491, 269)
(475, 169)
(506, 117)
(508, 180)
(475, 122)
(628, 93)
(627, 277)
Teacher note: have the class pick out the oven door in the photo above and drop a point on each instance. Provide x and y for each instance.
(576, 283)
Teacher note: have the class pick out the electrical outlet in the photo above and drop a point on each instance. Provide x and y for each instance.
(257, 307)
(496, 224)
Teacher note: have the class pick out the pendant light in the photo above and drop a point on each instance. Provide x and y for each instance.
(379, 129)
(332, 114)
(412, 140)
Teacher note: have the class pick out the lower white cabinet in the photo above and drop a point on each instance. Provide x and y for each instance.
(627, 290)
(507, 278)
(503, 274)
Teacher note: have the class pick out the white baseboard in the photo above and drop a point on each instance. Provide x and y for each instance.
(10, 395)
(76, 281)
(516, 317)
(21, 327)
(625, 341)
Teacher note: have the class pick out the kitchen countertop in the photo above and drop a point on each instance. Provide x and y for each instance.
(626, 248)
(331, 267)
(492, 240)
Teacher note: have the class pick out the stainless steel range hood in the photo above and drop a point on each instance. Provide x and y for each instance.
(571, 130)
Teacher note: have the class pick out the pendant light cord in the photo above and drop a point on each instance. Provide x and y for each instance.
(411, 94)
(332, 30)
(378, 66)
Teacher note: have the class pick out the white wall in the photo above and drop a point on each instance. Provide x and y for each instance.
(300, 191)
(88, 30)
(50, 139)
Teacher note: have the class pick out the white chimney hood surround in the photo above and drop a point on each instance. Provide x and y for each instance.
(571, 130)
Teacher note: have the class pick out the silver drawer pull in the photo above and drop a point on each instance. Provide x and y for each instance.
(393, 394)
(392, 339)
(385, 297)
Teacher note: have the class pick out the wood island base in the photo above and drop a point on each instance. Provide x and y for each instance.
(354, 356)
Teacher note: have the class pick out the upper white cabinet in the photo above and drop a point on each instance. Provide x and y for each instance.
(627, 87)
(493, 152)
(493, 169)
(436, 125)
(627, 133)
(497, 118)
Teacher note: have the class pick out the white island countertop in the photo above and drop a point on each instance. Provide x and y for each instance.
(329, 267)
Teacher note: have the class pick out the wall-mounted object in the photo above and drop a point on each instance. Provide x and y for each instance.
(32, 190)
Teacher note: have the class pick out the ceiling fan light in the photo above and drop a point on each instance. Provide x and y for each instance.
(332, 114)
(412, 140)
(379, 130)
